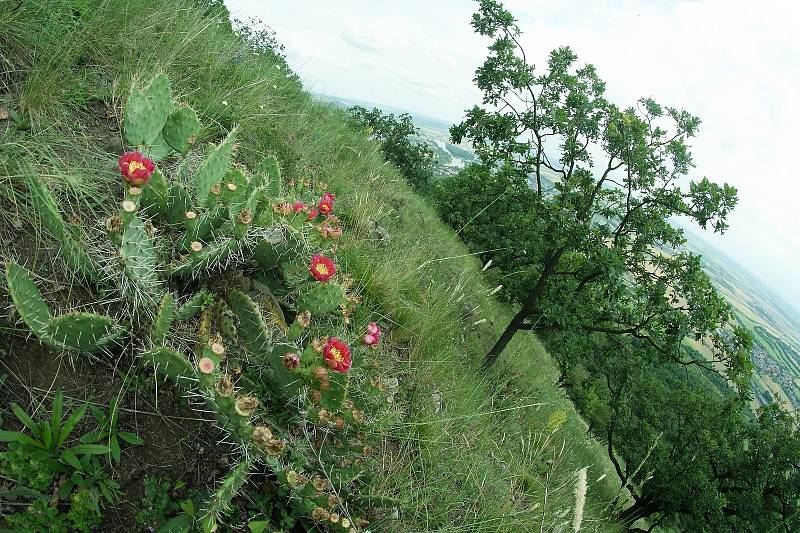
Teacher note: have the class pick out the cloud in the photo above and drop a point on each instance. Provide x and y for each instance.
(735, 64)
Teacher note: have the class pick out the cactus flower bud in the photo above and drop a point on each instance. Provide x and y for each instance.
(291, 360)
(312, 213)
(128, 206)
(295, 480)
(320, 374)
(231, 187)
(322, 268)
(315, 396)
(191, 215)
(345, 523)
(136, 169)
(224, 386)
(275, 447)
(337, 355)
(261, 436)
(318, 344)
(373, 329)
(206, 365)
(114, 224)
(303, 319)
(298, 206)
(370, 340)
(134, 191)
(246, 405)
(245, 216)
(196, 246)
(320, 484)
(320, 515)
(334, 517)
(218, 348)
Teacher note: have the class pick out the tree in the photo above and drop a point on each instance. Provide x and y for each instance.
(415, 160)
(609, 260)
(689, 453)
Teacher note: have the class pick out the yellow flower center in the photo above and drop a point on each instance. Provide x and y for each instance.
(133, 166)
(322, 269)
(337, 355)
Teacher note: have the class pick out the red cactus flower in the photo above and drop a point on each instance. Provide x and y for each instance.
(373, 336)
(337, 355)
(291, 360)
(312, 214)
(135, 168)
(326, 203)
(298, 206)
(322, 268)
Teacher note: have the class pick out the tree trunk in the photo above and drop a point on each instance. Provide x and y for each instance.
(530, 307)
(505, 338)
(641, 509)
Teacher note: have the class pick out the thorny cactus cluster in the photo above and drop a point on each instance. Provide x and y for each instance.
(219, 268)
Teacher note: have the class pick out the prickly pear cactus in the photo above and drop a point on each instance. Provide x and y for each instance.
(253, 329)
(219, 504)
(146, 111)
(81, 332)
(323, 299)
(139, 261)
(213, 169)
(163, 321)
(70, 248)
(27, 299)
(181, 129)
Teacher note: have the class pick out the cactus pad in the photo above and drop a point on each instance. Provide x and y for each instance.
(194, 305)
(181, 129)
(212, 257)
(214, 167)
(163, 321)
(322, 299)
(83, 332)
(170, 363)
(269, 173)
(139, 260)
(219, 503)
(155, 195)
(253, 329)
(146, 111)
(27, 299)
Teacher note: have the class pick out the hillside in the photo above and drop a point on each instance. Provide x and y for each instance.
(429, 442)
(774, 324)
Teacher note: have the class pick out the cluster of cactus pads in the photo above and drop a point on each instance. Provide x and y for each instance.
(209, 262)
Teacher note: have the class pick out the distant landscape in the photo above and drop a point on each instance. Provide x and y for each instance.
(774, 323)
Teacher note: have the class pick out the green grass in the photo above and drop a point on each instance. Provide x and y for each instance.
(496, 456)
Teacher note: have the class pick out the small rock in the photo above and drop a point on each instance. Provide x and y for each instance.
(378, 233)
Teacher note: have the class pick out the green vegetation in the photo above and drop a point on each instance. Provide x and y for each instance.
(587, 267)
(442, 447)
(416, 160)
(262, 302)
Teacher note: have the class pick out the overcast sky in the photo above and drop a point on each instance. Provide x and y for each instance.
(735, 64)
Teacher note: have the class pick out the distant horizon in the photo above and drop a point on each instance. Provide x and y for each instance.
(694, 231)
(736, 67)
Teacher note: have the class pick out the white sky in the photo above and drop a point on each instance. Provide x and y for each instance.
(736, 64)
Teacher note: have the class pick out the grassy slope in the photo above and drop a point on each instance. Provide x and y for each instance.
(495, 458)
